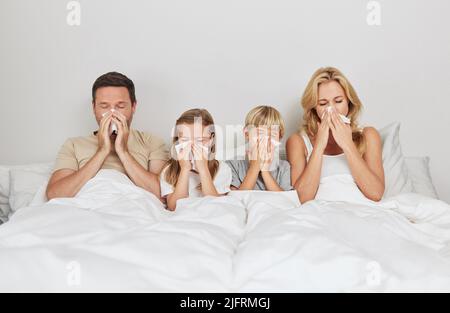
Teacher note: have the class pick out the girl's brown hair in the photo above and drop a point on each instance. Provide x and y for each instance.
(172, 167)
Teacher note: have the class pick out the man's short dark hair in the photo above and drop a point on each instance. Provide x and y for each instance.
(114, 79)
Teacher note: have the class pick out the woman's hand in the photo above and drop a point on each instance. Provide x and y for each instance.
(342, 132)
(321, 140)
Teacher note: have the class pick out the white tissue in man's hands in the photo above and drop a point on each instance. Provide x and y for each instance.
(113, 126)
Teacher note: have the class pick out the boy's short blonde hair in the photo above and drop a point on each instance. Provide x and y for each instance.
(265, 115)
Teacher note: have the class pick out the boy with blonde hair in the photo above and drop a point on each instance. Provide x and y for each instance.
(262, 169)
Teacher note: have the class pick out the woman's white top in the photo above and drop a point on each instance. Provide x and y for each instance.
(336, 179)
(222, 182)
(331, 164)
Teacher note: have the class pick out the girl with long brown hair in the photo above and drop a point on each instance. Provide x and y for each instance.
(192, 170)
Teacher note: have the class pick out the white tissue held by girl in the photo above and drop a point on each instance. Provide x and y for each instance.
(186, 144)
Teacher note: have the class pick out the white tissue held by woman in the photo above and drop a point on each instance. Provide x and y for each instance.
(344, 118)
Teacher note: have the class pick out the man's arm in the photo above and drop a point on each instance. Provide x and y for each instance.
(147, 180)
(67, 182)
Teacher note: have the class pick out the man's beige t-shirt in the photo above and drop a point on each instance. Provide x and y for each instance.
(144, 147)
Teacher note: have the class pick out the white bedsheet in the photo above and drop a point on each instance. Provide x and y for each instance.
(402, 243)
(116, 237)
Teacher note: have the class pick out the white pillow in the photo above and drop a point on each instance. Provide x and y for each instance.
(4, 194)
(396, 173)
(4, 184)
(419, 172)
(25, 181)
(5, 210)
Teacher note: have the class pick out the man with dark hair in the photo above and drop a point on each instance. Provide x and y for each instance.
(115, 145)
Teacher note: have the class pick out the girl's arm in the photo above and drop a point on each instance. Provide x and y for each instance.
(206, 181)
(181, 189)
(208, 188)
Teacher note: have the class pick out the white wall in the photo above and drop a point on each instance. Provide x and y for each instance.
(227, 56)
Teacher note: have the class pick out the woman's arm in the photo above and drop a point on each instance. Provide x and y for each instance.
(368, 170)
(305, 175)
(181, 189)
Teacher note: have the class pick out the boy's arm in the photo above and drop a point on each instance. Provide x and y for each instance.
(251, 177)
(270, 182)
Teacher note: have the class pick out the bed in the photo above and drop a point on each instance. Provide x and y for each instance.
(115, 236)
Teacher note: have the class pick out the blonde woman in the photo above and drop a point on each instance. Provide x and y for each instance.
(262, 169)
(192, 170)
(330, 142)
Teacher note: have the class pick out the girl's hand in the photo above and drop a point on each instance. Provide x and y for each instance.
(342, 132)
(200, 158)
(321, 140)
(183, 158)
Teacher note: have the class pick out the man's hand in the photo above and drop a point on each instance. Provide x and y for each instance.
(139, 175)
(103, 136)
(123, 133)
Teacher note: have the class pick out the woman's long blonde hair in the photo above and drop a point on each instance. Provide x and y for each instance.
(310, 101)
(172, 167)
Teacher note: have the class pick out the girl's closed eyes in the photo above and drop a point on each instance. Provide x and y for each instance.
(193, 170)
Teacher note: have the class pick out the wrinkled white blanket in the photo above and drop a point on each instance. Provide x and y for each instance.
(115, 236)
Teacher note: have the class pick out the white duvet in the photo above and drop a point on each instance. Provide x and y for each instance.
(115, 236)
